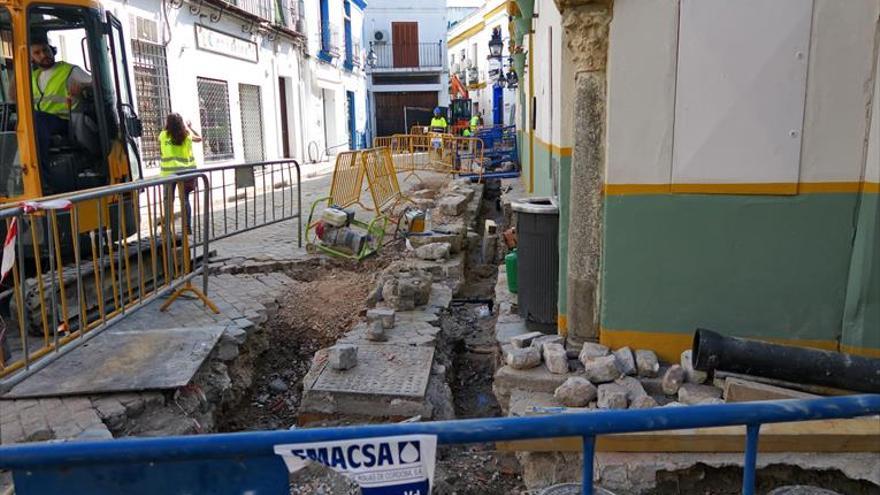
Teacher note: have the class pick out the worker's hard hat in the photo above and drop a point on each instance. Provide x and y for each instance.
(437, 111)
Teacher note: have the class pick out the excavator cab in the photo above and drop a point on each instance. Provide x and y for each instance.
(92, 143)
(90, 140)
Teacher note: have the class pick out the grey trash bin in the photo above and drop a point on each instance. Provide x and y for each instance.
(537, 231)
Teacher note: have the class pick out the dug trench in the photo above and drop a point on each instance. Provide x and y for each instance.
(328, 298)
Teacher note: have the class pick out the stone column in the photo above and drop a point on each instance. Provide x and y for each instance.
(586, 38)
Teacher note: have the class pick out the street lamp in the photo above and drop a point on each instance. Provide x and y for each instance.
(495, 44)
(496, 71)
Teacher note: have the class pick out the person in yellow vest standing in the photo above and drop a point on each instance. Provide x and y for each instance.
(57, 88)
(175, 148)
(474, 124)
(438, 123)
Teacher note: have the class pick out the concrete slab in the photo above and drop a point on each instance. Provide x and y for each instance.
(390, 370)
(124, 361)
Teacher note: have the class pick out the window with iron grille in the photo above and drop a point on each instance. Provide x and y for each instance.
(251, 122)
(153, 96)
(214, 117)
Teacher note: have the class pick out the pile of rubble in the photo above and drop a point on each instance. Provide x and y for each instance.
(393, 364)
(596, 377)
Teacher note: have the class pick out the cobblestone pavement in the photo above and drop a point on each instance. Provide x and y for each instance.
(244, 284)
(244, 300)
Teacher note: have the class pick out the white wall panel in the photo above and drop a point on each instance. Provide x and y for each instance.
(739, 109)
(641, 91)
(872, 166)
(839, 88)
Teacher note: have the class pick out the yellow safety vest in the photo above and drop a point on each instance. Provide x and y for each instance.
(53, 98)
(475, 122)
(175, 157)
(438, 123)
(466, 132)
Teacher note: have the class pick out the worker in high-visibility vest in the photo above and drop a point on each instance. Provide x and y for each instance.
(474, 124)
(438, 123)
(175, 149)
(57, 88)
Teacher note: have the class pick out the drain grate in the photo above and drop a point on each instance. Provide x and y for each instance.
(400, 371)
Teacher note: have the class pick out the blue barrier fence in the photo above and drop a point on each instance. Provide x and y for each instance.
(245, 463)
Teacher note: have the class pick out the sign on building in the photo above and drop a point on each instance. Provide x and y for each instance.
(211, 40)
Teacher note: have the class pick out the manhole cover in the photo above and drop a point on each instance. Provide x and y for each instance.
(400, 371)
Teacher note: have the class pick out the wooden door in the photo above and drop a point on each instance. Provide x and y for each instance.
(391, 116)
(405, 42)
(285, 129)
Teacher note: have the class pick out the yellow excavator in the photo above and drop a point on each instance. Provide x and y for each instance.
(97, 145)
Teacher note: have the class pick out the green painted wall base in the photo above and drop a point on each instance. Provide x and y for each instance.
(760, 266)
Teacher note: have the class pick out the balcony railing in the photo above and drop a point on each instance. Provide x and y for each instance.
(408, 55)
(331, 41)
(286, 14)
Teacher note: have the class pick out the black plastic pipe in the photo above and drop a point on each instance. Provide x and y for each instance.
(713, 351)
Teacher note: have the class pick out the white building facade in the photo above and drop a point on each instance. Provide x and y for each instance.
(408, 76)
(258, 79)
(469, 60)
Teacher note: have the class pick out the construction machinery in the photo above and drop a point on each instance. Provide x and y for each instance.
(461, 107)
(98, 148)
(89, 144)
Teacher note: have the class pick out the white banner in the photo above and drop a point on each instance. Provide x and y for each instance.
(401, 465)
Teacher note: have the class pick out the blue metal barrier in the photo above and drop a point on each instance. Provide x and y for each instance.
(242, 463)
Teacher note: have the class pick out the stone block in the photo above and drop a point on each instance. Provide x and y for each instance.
(673, 379)
(653, 386)
(375, 332)
(439, 298)
(575, 392)
(611, 396)
(602, 369)
(523, 358)
(405, 288)
(625, 361)
(226, 351)
(434, 251)
(592, 350)
(454, 240)
(647, 364)
(555, 358)
(452, 205)
(538, 379)
(739, 390)
(342, 357)
(543, 340)
(234, 335)
(514, 332)
(693, 393)
(633, 387)
(134, 403)
(691, 375)
(525, 340)
(109, 408)
(384, 315)
(643, 402)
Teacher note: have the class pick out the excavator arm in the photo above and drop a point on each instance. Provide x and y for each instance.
(457, 90)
